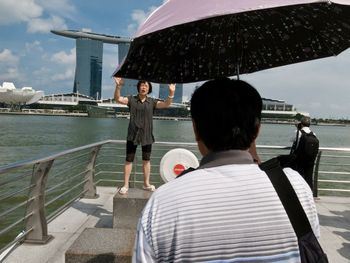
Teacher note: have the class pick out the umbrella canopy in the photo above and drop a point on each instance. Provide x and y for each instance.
(188, 41)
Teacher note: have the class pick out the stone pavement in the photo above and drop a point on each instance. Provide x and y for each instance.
(334, 215)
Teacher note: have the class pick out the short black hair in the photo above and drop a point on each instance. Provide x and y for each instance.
(144, 81)
(305, 121)
(226, 113)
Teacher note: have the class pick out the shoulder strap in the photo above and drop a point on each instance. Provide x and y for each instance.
(288, 197)
(295, 142)
(313, 134)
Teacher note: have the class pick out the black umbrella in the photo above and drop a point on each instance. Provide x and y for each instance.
(188, 41)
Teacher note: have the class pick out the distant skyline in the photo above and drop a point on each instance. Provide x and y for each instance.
(30, 55)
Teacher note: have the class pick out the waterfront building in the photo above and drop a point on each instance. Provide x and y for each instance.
(68, 99)
(279, 110)
(276, 105)
(88, 71)
(89, 53)
(10, 95)
(273, 110)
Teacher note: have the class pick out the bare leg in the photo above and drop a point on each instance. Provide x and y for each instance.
(146, 166)
(127, 172)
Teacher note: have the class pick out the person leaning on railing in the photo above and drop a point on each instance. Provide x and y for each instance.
(140, 130)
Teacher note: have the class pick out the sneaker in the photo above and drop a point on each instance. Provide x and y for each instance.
(150, 188)
(123, 190)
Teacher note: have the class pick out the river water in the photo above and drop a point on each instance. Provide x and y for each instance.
(25, 137)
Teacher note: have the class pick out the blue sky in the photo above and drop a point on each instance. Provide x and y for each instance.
(32, 56)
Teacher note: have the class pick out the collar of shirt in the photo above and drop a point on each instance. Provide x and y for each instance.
(146, 100)
(226, 157)
(306, 129)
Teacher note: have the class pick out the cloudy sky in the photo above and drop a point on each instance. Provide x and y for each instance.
(32, 56)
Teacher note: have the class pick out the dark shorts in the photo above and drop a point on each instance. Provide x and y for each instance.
(131, 150)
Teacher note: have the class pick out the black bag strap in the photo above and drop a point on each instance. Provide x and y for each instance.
(295, 142)
(288, 197)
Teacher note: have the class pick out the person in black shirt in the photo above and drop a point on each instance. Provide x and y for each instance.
(304, 150)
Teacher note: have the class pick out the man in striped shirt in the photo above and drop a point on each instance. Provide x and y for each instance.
(226, 210)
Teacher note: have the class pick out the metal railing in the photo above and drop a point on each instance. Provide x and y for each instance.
(34, 192)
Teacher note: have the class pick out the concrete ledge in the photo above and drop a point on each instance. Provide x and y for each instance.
(101, 245)
(127, 208)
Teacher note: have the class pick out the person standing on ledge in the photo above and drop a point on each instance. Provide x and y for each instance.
(140, 130)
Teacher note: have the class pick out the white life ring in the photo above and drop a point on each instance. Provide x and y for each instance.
(175, 161)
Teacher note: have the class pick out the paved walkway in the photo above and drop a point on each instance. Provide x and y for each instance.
(67, 227)
(334, 215)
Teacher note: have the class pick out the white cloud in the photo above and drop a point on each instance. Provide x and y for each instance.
(34, 46)
(7, 58)
(32, 12)
(9, 66)
(138, 17)
(67, 75)
(61, 7)
(68, 60)
(40, 25)
(9, 74)
(18, 11)
(64, 58)
(315, 87)
(132, 29)
(43, 71)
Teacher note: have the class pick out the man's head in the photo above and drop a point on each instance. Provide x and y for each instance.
(305, 121)
(144, 87)
(226, 114)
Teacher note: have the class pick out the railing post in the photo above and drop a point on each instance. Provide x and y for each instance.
(35, 213)
(89, 186)
(317, 164)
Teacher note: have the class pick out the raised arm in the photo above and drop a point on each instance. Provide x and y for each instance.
(118, 86)
(166, 103)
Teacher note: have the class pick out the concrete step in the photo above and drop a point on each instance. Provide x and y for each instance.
(109, 245)
(102, 245)
(127, 208)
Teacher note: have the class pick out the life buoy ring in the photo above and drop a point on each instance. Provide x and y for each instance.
(175, 161)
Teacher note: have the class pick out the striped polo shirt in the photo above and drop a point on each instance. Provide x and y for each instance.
(226, 211)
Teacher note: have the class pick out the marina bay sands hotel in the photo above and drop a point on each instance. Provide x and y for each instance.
(88, 69)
